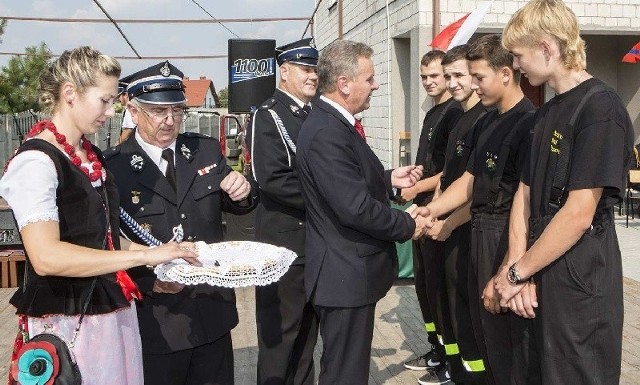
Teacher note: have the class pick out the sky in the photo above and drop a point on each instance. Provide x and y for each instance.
(153, 39)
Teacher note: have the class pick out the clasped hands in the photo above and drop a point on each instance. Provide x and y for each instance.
(423, 221)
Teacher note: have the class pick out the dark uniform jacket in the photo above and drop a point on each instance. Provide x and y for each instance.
(280, 213)
(198, 314)
(351, 258)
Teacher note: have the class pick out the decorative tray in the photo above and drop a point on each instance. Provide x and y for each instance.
(230, 264)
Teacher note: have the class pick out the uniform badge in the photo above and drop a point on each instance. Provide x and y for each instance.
(295, 109)
(491, 162)
(137, 162)
(185, 152)
(146, 227)
(135, 197)
(459, 147)
(165, 70)
(206, 170)
(430, 134)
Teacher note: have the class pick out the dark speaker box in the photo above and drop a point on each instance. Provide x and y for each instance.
(252, 73)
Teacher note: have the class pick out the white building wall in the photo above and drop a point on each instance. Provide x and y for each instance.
(399, 105)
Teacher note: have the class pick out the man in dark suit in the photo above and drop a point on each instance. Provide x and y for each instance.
(166, 179)
(351, 228)
(287, 324)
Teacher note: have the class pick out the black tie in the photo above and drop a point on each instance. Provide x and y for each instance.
(306, 108)
(170, 174)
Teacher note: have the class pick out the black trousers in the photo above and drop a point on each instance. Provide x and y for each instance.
(489, 243)
(470, 368)
(287, 331)
(578, 328)
(209, 364)
(346, 337)
(428, 274)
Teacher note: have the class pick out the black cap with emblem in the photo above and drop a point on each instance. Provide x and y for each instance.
(158, 84)
(298, 52)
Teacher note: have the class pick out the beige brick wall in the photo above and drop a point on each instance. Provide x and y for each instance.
(410, 20)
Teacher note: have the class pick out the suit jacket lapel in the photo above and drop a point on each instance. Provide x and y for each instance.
(150, 176)
(185, 169)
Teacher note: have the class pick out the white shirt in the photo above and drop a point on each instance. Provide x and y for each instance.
(155, 152)
(340, 109)
(29, 187)
(127, 121)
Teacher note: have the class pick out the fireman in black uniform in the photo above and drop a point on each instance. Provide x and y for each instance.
(166, 179)
(581, 154)
(501, 145)
(287, 324)
(454, 230)
(428, 263)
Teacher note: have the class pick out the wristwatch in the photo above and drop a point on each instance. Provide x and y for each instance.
(513, 276)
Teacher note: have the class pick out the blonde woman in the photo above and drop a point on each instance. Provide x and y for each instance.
(66, 207)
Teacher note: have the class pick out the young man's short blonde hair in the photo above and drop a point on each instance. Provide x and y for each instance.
(547, 17)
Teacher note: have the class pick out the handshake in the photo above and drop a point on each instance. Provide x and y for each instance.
(423, 219)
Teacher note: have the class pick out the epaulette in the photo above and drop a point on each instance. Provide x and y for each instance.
(111, 152)
(195, 135)
(268, 104)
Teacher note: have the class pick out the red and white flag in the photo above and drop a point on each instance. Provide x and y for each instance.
(460, 31)
(633, 56)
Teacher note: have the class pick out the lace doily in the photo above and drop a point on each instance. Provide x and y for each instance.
(230, 264)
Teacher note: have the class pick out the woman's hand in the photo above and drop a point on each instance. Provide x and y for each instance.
(170, 251)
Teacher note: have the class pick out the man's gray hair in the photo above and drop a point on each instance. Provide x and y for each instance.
(340, 58)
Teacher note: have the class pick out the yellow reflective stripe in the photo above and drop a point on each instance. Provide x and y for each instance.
(451, 349)
(473, 366)
(430, 327)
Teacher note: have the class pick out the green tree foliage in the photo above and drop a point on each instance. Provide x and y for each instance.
(3, 25)
(223, 94)
(19, 80)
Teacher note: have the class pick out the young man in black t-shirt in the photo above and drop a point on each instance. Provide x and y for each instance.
(564, 229)
(453, 232)
(500, 147)
(428, 267)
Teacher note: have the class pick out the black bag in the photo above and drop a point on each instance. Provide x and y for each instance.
(48, 358)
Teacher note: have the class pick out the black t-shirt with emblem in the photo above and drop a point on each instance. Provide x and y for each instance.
(602, 146)
(459, 145)
(499, 135)
(436, 126)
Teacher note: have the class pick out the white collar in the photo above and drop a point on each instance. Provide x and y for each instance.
(340, 109)
(154, 152)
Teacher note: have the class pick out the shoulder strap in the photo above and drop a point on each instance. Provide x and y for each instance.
(503, 154)
(565, 146)
(284, 134)
(431, 143)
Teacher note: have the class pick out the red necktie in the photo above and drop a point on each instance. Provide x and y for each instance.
(360, 129)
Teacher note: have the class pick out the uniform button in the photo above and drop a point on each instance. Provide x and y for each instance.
(189, 238)
(209, 187)
(141, 208)
(300, 223)
(183, 216)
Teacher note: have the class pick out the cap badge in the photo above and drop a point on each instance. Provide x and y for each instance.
(185, 152)
(137, 162)
(165, 70)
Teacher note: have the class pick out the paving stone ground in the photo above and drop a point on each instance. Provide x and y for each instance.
(399, 332)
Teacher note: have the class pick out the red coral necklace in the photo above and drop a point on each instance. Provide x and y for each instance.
(96, 167)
